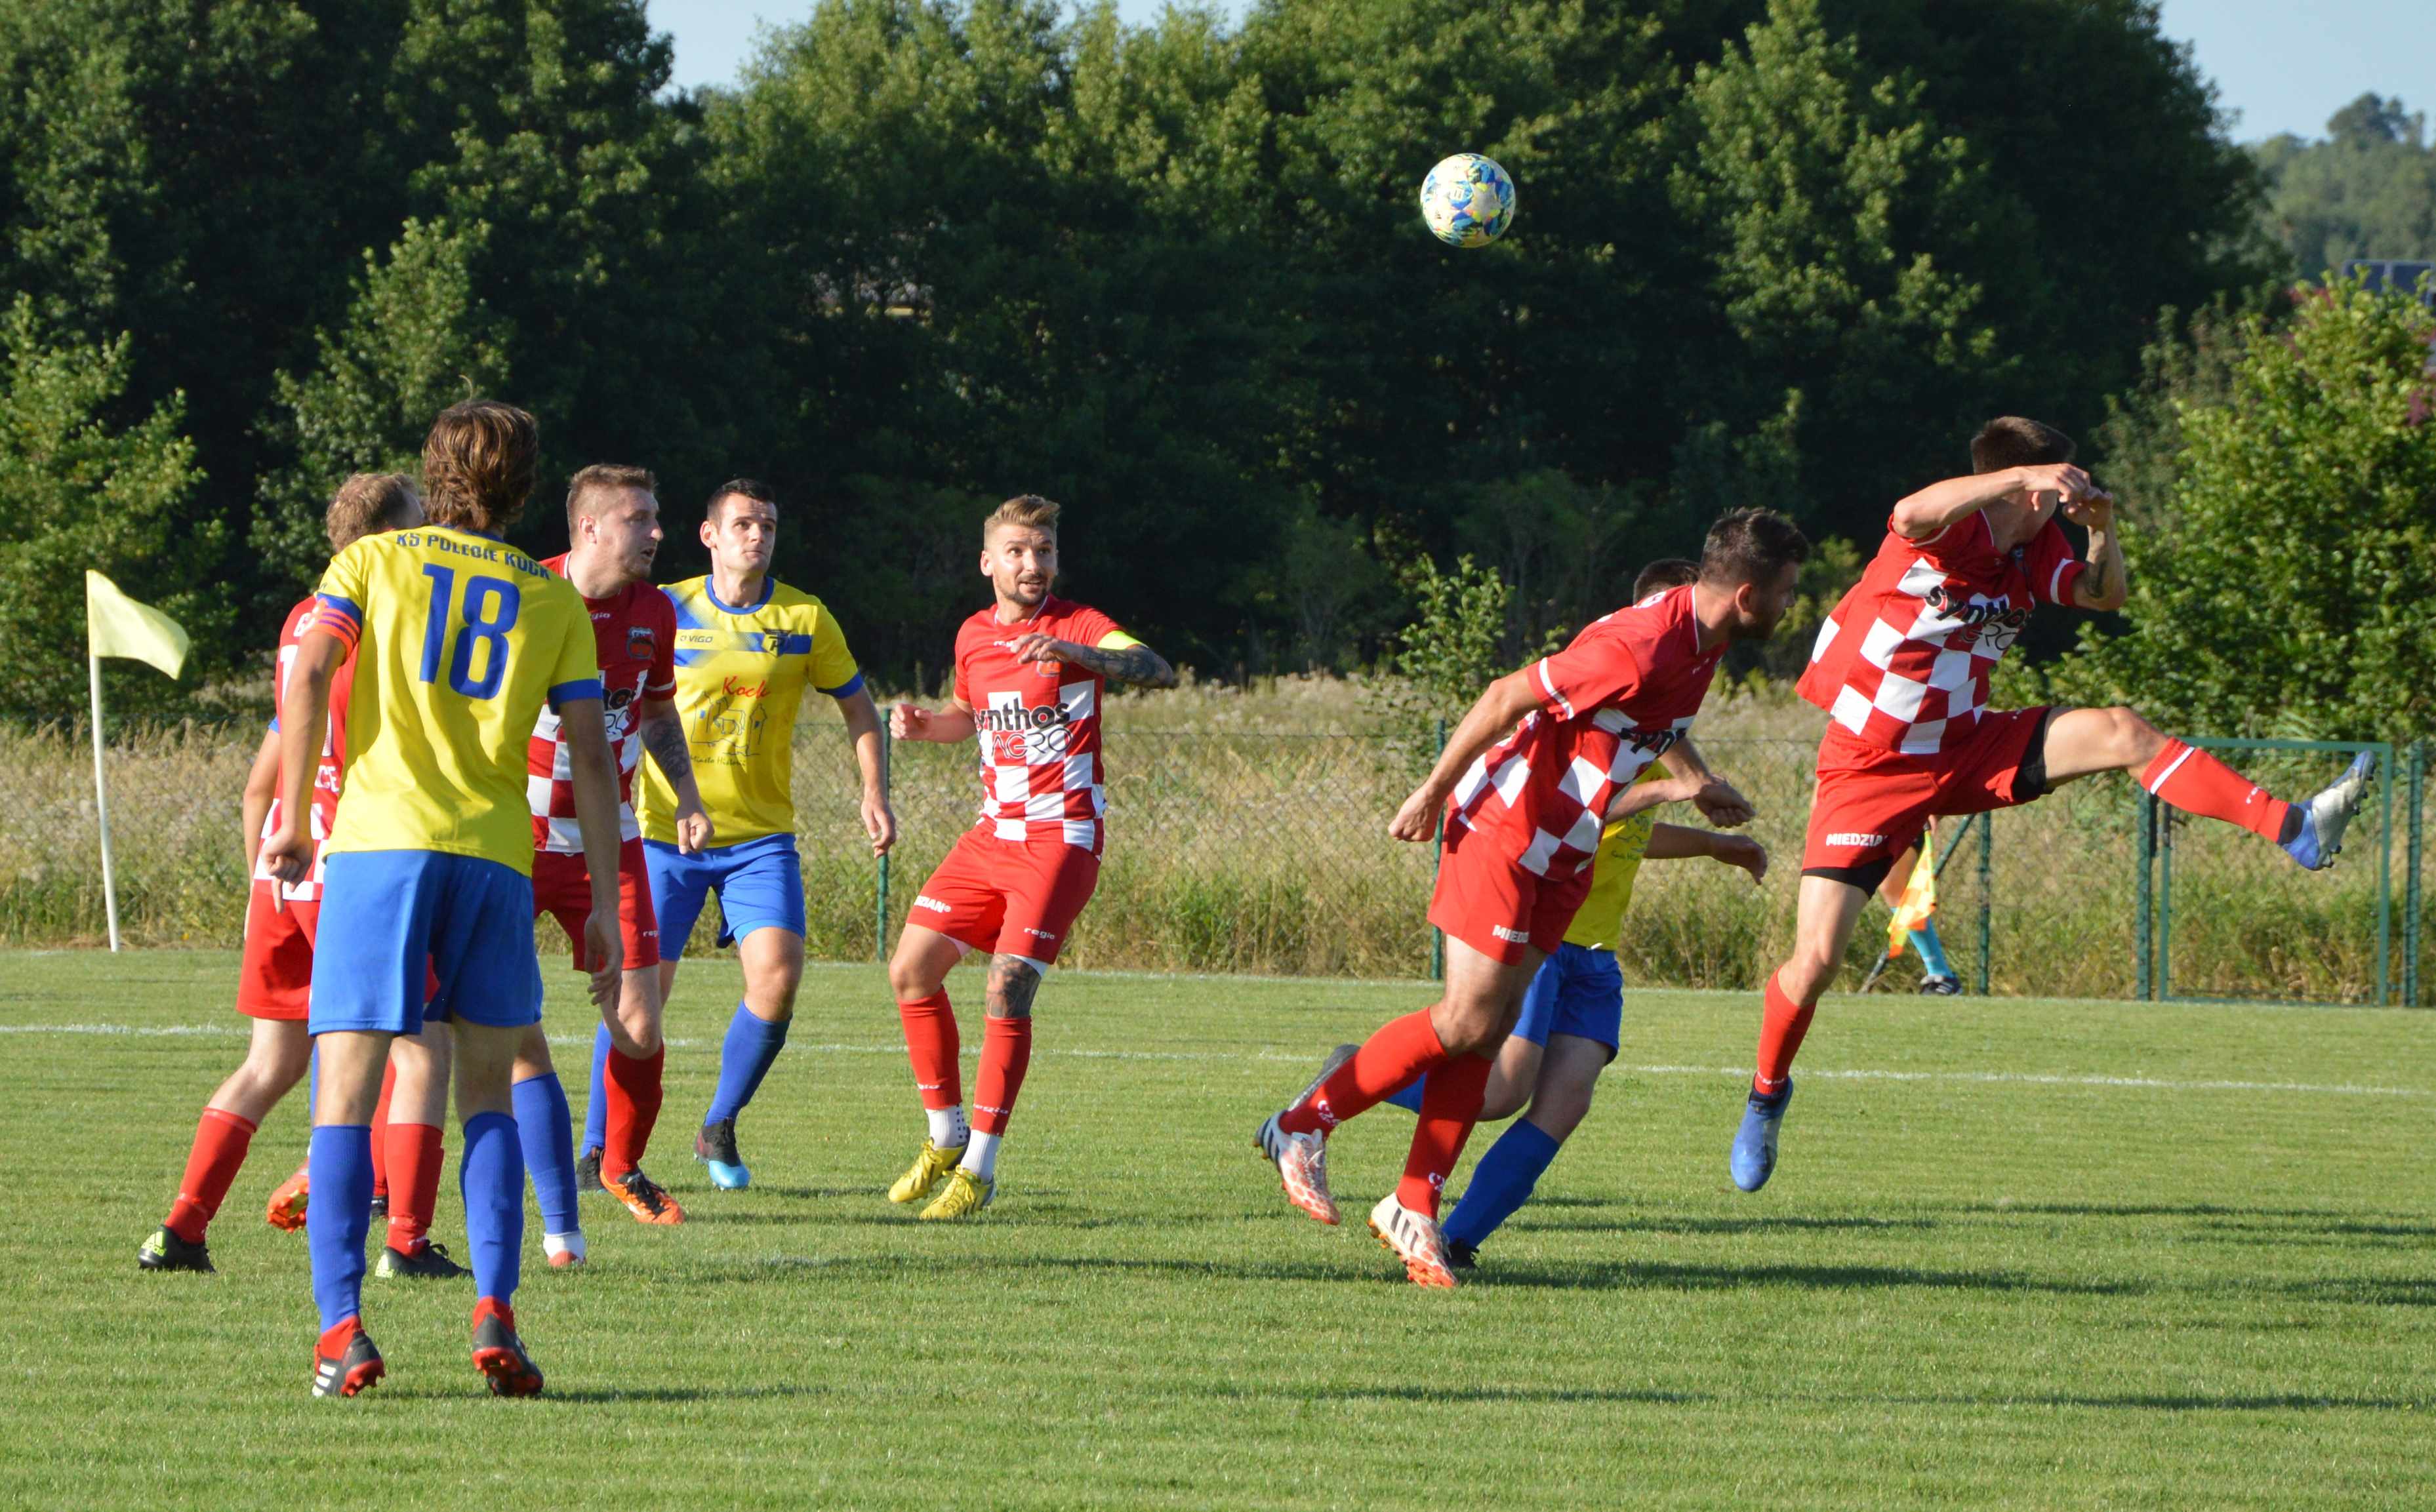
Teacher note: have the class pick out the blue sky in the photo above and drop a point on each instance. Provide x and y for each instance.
(2281, 69)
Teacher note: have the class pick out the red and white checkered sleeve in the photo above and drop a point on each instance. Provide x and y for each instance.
(2051, 566)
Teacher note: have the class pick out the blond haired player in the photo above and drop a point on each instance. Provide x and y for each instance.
(1032, 677)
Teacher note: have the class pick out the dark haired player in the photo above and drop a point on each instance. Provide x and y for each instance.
(1524, 784)
(1902, 669)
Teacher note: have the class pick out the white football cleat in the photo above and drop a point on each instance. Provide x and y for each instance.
(1415, 1241)
(1301, 1161)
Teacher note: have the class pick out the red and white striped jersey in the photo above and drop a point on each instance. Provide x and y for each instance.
(1610, 703)
(1907, 653)
(1039, 724)
(635, 634)
(332, 776)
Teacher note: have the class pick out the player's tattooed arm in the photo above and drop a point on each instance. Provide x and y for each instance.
(2106, 582)
(1012, 982)
(663, 736)
(1136, 664)
(1921, 515)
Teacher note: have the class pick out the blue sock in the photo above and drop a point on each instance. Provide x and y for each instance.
(596, 1108)
(545, 1130)
(1408, 1096)
(339, 1218)
(1932, 950)
(490, 1176)
(1503, 1182)
(745, 1058)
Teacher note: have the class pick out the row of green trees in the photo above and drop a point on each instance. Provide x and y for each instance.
(926, 253)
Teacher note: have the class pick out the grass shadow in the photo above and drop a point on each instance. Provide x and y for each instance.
(1660, 1275)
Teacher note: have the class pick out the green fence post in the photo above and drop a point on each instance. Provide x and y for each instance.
(2143, 903)
(2415, 771)
(880, 913)
(1987, 894)
(2165, 977)
(1437, 853)
(2385, 884)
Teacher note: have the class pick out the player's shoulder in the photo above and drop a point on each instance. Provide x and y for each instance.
(797, 604)
(980, 628)
(292, 628)
(1062, 613)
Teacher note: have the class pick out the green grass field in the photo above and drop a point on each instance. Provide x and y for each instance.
(2019, 1254)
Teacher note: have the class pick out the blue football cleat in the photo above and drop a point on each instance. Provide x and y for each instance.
(2327, 813)
(715, 1147)
(1754, 1156)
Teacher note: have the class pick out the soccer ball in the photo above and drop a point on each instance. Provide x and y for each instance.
(1468, 200)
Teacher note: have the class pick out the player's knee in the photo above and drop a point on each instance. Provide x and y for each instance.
(1807, 974)
(2134, 741)
(910, 977)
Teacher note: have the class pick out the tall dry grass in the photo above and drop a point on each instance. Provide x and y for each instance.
(1247, 834)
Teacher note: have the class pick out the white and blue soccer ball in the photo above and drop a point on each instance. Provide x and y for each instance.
(1468, 200)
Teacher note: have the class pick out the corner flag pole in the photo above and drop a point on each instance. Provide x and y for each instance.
(117, 625)
(101, 803)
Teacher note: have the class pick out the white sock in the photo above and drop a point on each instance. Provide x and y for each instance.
(980, 1156)
(571, 1242)
(947, 1127)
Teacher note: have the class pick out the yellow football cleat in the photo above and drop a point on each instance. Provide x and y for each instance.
(930, 1167)
(966, 1194)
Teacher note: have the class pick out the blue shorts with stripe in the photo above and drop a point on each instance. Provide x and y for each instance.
(1578, 991)
(760, 882)
(391, 919)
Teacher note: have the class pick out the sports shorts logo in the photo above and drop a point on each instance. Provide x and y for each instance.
(1510, 936)
(925, 900)
(1038, 934)
(1854, 839)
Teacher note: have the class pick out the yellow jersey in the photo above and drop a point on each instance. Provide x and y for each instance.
(741, 672)
(459, 639)
(1599, 921)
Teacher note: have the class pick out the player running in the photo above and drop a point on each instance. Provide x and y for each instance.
(1573, 1015)
(747, 646)
(1031, 673)
(1524, 806)
(1902, 669)
(612, 530)
(275, 976)
(458, 640)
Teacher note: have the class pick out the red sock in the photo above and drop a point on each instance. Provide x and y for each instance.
(1780, 1028)
(930, 1044)
(1401, 1049)
(380, 1121)
(633, 1090)
(1006, 1050)
(220, 1141)
(415, 1158)
(2198, 783)
(1450, 1106)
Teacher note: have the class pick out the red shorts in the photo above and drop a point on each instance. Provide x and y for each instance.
(1492, 904)
(562, 889)
(1871, 804)
(275, 979)
(1008, 897)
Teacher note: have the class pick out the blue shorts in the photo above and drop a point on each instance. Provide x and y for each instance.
(391, 919)
(1578, 991)
(760, 885)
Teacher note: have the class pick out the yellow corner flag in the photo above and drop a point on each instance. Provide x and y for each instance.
(117, 625)
(1918, 900)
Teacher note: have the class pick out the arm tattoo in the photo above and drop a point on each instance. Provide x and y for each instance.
(2101, 581)
(1012, 982)
(665, 738)
(1137, 665)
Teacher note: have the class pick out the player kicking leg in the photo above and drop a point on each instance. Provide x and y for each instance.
(275, 976)
(1031, 673)
(613, 524)
(1525, 785)
(748, 647)
(1902, 667)
(459, 641)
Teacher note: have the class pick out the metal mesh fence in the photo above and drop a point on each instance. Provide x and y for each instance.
(1261, 852)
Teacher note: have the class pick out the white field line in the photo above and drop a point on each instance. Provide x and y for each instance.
(2158, 1084)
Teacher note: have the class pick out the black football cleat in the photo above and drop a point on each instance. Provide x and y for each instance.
(166, 1251)
(425, 1261)
(499, 1355)
(344, 1362)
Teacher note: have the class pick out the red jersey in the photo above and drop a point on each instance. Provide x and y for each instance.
(1610, 703)
(1907, 653)
(327, 781)
(1039, 724)
(635, 632)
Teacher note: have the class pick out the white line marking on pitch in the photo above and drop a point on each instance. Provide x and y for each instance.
(838, 1048)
